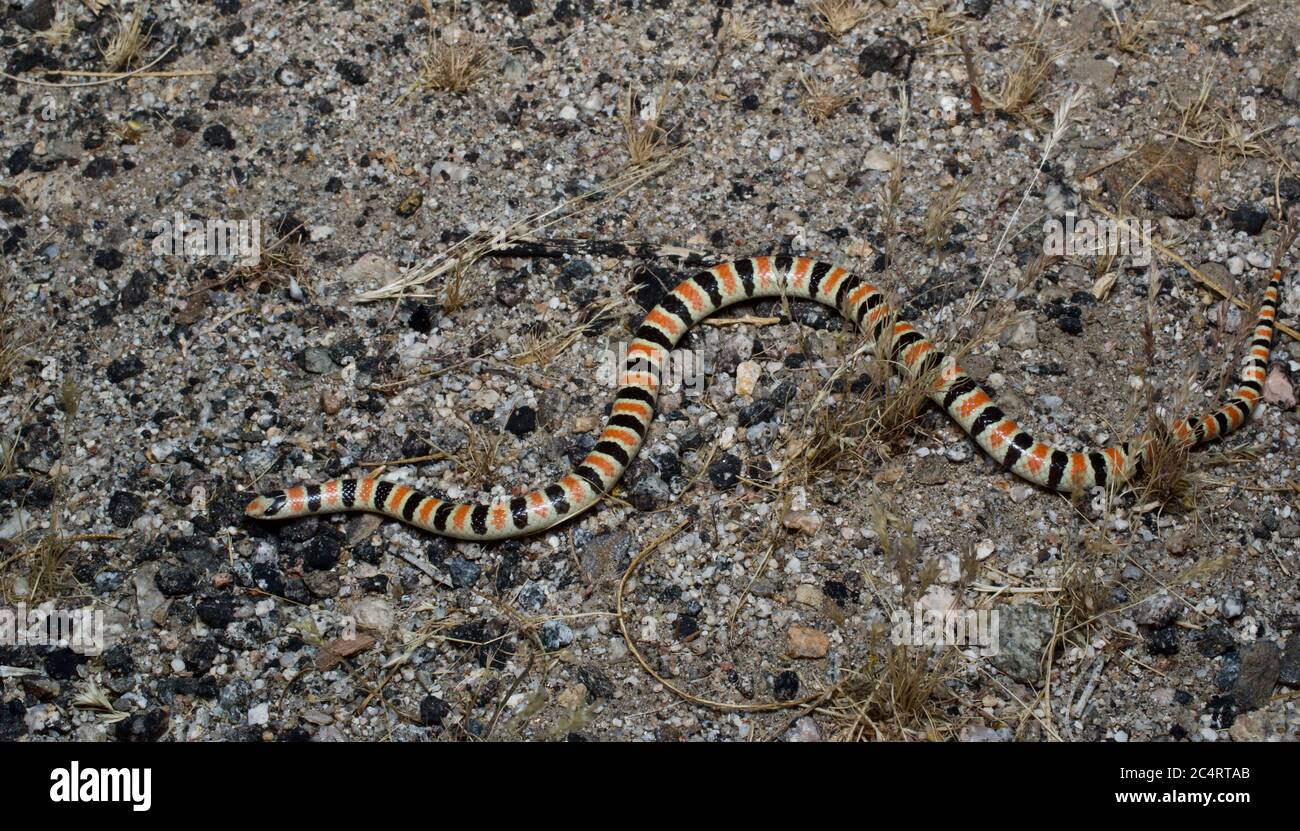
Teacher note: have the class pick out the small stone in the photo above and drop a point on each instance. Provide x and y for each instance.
(322, 584)
(805, 730)
(259, 715)
(808, 595)
(807, 522)
(433, 710)
(463, 572)
(806, 642)
(786, 685)
(1248, 219)
(1020, 493)
(176, 581)
(877, 159)
(556, 635)
(125, 368)
(725, 472)
(1023, 335)
(1158, 611)
(124, 508)
(352, 72)
(216, 612)
(373, 613)
(522, 421)
(958, 452)
(1024, 634)
(889, 55)
(1289, 669)
(330, 402)
(1261, 664)
(1070, 324)
(334, 652)
(747, 374)
(317, 360)
(1278, 388)
(218, 137)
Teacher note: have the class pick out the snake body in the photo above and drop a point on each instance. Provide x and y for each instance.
(798, 277)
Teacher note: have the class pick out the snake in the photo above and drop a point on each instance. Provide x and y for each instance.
(908, 351)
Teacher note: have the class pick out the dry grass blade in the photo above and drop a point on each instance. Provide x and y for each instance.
(821, 98)
(899, 695)
(1023, 85)
(839, 17)
(11, 342)
(127, 44)
(543, 351)
(939, 22)
(1131, 37)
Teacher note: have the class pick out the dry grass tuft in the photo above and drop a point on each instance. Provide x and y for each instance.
(127, 44)
(452, 65)
(1022, 88)
(1219, 129)
(821, 98)
(939, 217)
(644, 137)
(11, 342)
(939, 22)
(900, 695)
(1131, 37)
(839, 17)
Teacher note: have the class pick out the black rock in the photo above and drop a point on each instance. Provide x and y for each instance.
(1070, 324)
(124, 508)
(575, 271)
(218, 137)
(99, 167)
(1216, 641)
(137, 290)
(786, 685)
(1247, 219)
(749, 103)
(143, 727)
(756, 413)
(422, 319)
(1222, 710)
(1289, 671)
(352, 72)
(216, 612)
(686, 627)
(37, 16)
(521, 8)
(463, 572)
(322, 552)
(1163, 641)
(176, 581)
(199, 655)
(61, 663)
(596, 681)
(889, 55)
(725, 472)
(433, 710)
(1260, 667)
(109, 259)
(375, 585)
(522, 421)
(124, 368)
(978, 9)
(10, 206)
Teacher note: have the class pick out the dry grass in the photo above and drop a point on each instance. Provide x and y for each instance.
(12, 344)
(126, 45)
(456, 292)
(939, 22)
(938, 218)
(449, 64)
(1131, 37)
(821, 98)
(839, 17)
(452, 65)
(541, 350)
(901, 694)
(645, 139)
(280, 264)
(1023, 86)
(1218, 128)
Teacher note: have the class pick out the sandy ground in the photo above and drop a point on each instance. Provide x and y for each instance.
(151, 392)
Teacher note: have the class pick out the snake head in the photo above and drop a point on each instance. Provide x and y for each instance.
(265, 507)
